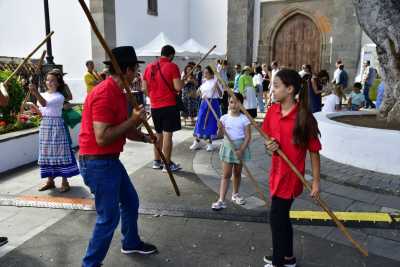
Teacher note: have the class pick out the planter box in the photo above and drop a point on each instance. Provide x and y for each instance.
(367, 148)
(20, 148)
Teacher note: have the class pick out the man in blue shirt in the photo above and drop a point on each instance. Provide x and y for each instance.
(368, 79)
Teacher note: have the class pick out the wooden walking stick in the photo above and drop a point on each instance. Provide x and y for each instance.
(320, 202)
(201, 60)
(3, 86)
(130, 96)
(252, 178)
(37, 71)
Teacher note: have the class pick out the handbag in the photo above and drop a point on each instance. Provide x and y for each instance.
(179, 103)
(72, 117)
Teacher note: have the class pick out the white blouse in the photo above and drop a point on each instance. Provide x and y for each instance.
(54, 104)
(209, 88)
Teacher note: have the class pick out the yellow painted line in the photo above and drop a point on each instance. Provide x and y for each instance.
(343, 216)
(396, 218)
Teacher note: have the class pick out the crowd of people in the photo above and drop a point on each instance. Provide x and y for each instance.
(199, 98)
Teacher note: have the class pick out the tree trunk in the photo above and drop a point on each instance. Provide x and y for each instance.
(380, 19)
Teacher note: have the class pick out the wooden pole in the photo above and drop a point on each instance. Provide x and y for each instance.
(320, 202)
(3, 86)
(130, 96)
(252, 178)
(201, 60)
(37, 70)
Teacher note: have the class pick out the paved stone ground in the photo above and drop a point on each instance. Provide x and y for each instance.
(49, 237)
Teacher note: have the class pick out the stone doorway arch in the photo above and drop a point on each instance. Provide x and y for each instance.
(297, 40)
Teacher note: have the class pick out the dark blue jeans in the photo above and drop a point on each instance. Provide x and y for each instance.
(115, 197)
(368, 101)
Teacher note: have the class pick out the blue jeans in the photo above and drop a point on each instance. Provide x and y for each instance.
(115, 197)
(368, 101)
(260, 98)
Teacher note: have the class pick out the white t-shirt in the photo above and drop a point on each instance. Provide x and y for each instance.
(55, 102)
(235, 126)
(209, 88)
(257, 79)
(330, 103)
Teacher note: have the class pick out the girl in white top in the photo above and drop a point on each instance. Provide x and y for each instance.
(332, 101)
(237, 127)
(55, 154)
(206, 126)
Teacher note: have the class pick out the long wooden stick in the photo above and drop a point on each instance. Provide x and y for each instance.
(37, 70)
(321, 203)
(201, 60)
(28, 57)
(252, 178)
(3, 86)
(128, 92)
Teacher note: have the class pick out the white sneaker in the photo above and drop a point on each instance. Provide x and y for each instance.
(210, 148)
(237, 199)
(196, 145)
(219, 205)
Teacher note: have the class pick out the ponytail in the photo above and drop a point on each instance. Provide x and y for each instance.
(306, 126)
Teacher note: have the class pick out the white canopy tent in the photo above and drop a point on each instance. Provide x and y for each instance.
(191, 46)
(153, 48)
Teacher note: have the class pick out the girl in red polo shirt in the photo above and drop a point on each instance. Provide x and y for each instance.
(294, 130)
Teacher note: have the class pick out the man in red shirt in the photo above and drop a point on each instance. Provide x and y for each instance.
(161, 80)
(104, 129)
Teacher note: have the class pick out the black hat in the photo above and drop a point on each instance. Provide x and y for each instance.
(124, 55)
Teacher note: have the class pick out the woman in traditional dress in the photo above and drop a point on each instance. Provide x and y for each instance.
(189, 97)
(247, 90)
(56, 158)
(206, 125)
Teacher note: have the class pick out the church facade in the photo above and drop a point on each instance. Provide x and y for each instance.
(294, 32)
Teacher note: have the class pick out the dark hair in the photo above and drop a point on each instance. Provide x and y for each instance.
(357, 85)
(60, 80)
(258, 70)
(368, 62)
(191, 63)
(225, 62)
(341, 66)
(167, 50)
(323, 74)
(238, 66)
(339, 62)
(123, 67)
(209, 69)
(306, 126)
(239, 97)
(308, 67)
(274, 63)
(88, 62)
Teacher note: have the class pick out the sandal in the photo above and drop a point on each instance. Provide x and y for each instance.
(47, 186)
(65, 187)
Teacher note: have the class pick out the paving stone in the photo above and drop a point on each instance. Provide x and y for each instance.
(384, 247)
(363, 207)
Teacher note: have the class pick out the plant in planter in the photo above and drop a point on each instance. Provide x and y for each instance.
(16, 94)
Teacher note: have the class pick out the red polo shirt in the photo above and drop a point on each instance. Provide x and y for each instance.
(105, 103)
(283, 182)
(161, 94)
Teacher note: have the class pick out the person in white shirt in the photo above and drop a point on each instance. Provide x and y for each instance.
(206, 126)
(237, 127)
(336, 74)
(258, 84)
(55, 154)
(332, 101)
(274, 71)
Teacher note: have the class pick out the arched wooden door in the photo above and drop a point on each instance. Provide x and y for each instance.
(298, 42)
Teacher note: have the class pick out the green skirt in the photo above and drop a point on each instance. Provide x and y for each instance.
(227, 152)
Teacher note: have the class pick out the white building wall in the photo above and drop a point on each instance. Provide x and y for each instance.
(209, 23)
(135, 27)
(22, 28)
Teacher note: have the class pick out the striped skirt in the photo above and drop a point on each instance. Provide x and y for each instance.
(206, 125)
(55, 154)
(227, 152)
